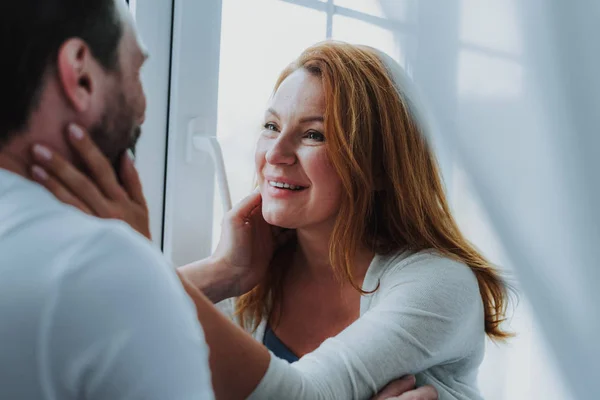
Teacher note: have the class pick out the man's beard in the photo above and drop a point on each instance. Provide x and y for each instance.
(117, 131)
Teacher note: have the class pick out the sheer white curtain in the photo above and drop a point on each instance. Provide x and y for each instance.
(528, 136)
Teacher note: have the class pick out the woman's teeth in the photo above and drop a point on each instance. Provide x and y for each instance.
(282, 185)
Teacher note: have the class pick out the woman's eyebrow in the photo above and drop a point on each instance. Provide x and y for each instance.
(272, 111)
(314, 118)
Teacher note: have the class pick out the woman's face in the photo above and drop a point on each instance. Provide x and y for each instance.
(299, 186)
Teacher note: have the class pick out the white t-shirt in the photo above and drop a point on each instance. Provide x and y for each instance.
(89, 309)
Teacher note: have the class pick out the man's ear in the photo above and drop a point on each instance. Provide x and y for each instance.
(75, 73)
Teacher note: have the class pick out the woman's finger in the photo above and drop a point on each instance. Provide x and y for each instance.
(261, 228)
(396, 388)
(71, 180)
(131, 179)
(422, 393)
(242, 211)
(98, 165)
(57, 189)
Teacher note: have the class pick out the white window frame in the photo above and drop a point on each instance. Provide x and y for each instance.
(154, 23)
(180, 80)
(189, 191)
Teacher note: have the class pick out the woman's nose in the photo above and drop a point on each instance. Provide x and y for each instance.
(282, 152)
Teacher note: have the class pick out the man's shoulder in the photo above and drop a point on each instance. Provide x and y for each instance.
(65, 229)
(29, 214)
(38, 234)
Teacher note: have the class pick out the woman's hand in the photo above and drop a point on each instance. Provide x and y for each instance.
(98, 194)
(243, 255)
(404, 389)
(248, 243)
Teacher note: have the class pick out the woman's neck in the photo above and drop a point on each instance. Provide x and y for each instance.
(312, 253)
(312, 256)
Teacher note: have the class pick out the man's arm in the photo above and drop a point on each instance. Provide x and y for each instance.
(210, 277)
(121, 326)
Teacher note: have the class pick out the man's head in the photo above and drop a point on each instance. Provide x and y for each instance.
(69, 61)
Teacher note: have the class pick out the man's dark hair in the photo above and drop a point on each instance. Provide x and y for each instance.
(31, 33)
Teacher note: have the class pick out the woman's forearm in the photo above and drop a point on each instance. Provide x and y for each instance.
(209, 277)
(237, 361)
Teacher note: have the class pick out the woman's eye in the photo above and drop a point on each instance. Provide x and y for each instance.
(317, 136)
(269, 126)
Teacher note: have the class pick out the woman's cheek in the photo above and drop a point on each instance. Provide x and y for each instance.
(260, 154)
(319, 168)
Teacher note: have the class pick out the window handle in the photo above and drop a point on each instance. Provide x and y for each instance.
(198, 141)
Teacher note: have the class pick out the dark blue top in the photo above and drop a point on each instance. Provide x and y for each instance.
(272, 342)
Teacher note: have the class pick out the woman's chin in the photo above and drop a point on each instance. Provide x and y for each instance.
(281, 221)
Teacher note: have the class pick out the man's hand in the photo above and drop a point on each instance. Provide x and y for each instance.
(404, 389)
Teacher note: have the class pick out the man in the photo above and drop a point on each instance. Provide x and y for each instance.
(88, 308)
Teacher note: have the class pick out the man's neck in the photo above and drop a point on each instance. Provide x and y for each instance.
(16, 157)
(45, 128)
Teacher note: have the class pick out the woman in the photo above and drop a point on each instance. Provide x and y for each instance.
(378, 281)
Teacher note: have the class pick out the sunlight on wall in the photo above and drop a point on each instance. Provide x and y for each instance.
(366, 7)
(355, 31)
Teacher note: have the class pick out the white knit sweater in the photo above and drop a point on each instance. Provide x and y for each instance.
(426, 318)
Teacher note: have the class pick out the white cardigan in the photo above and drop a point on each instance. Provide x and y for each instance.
(426, 318)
